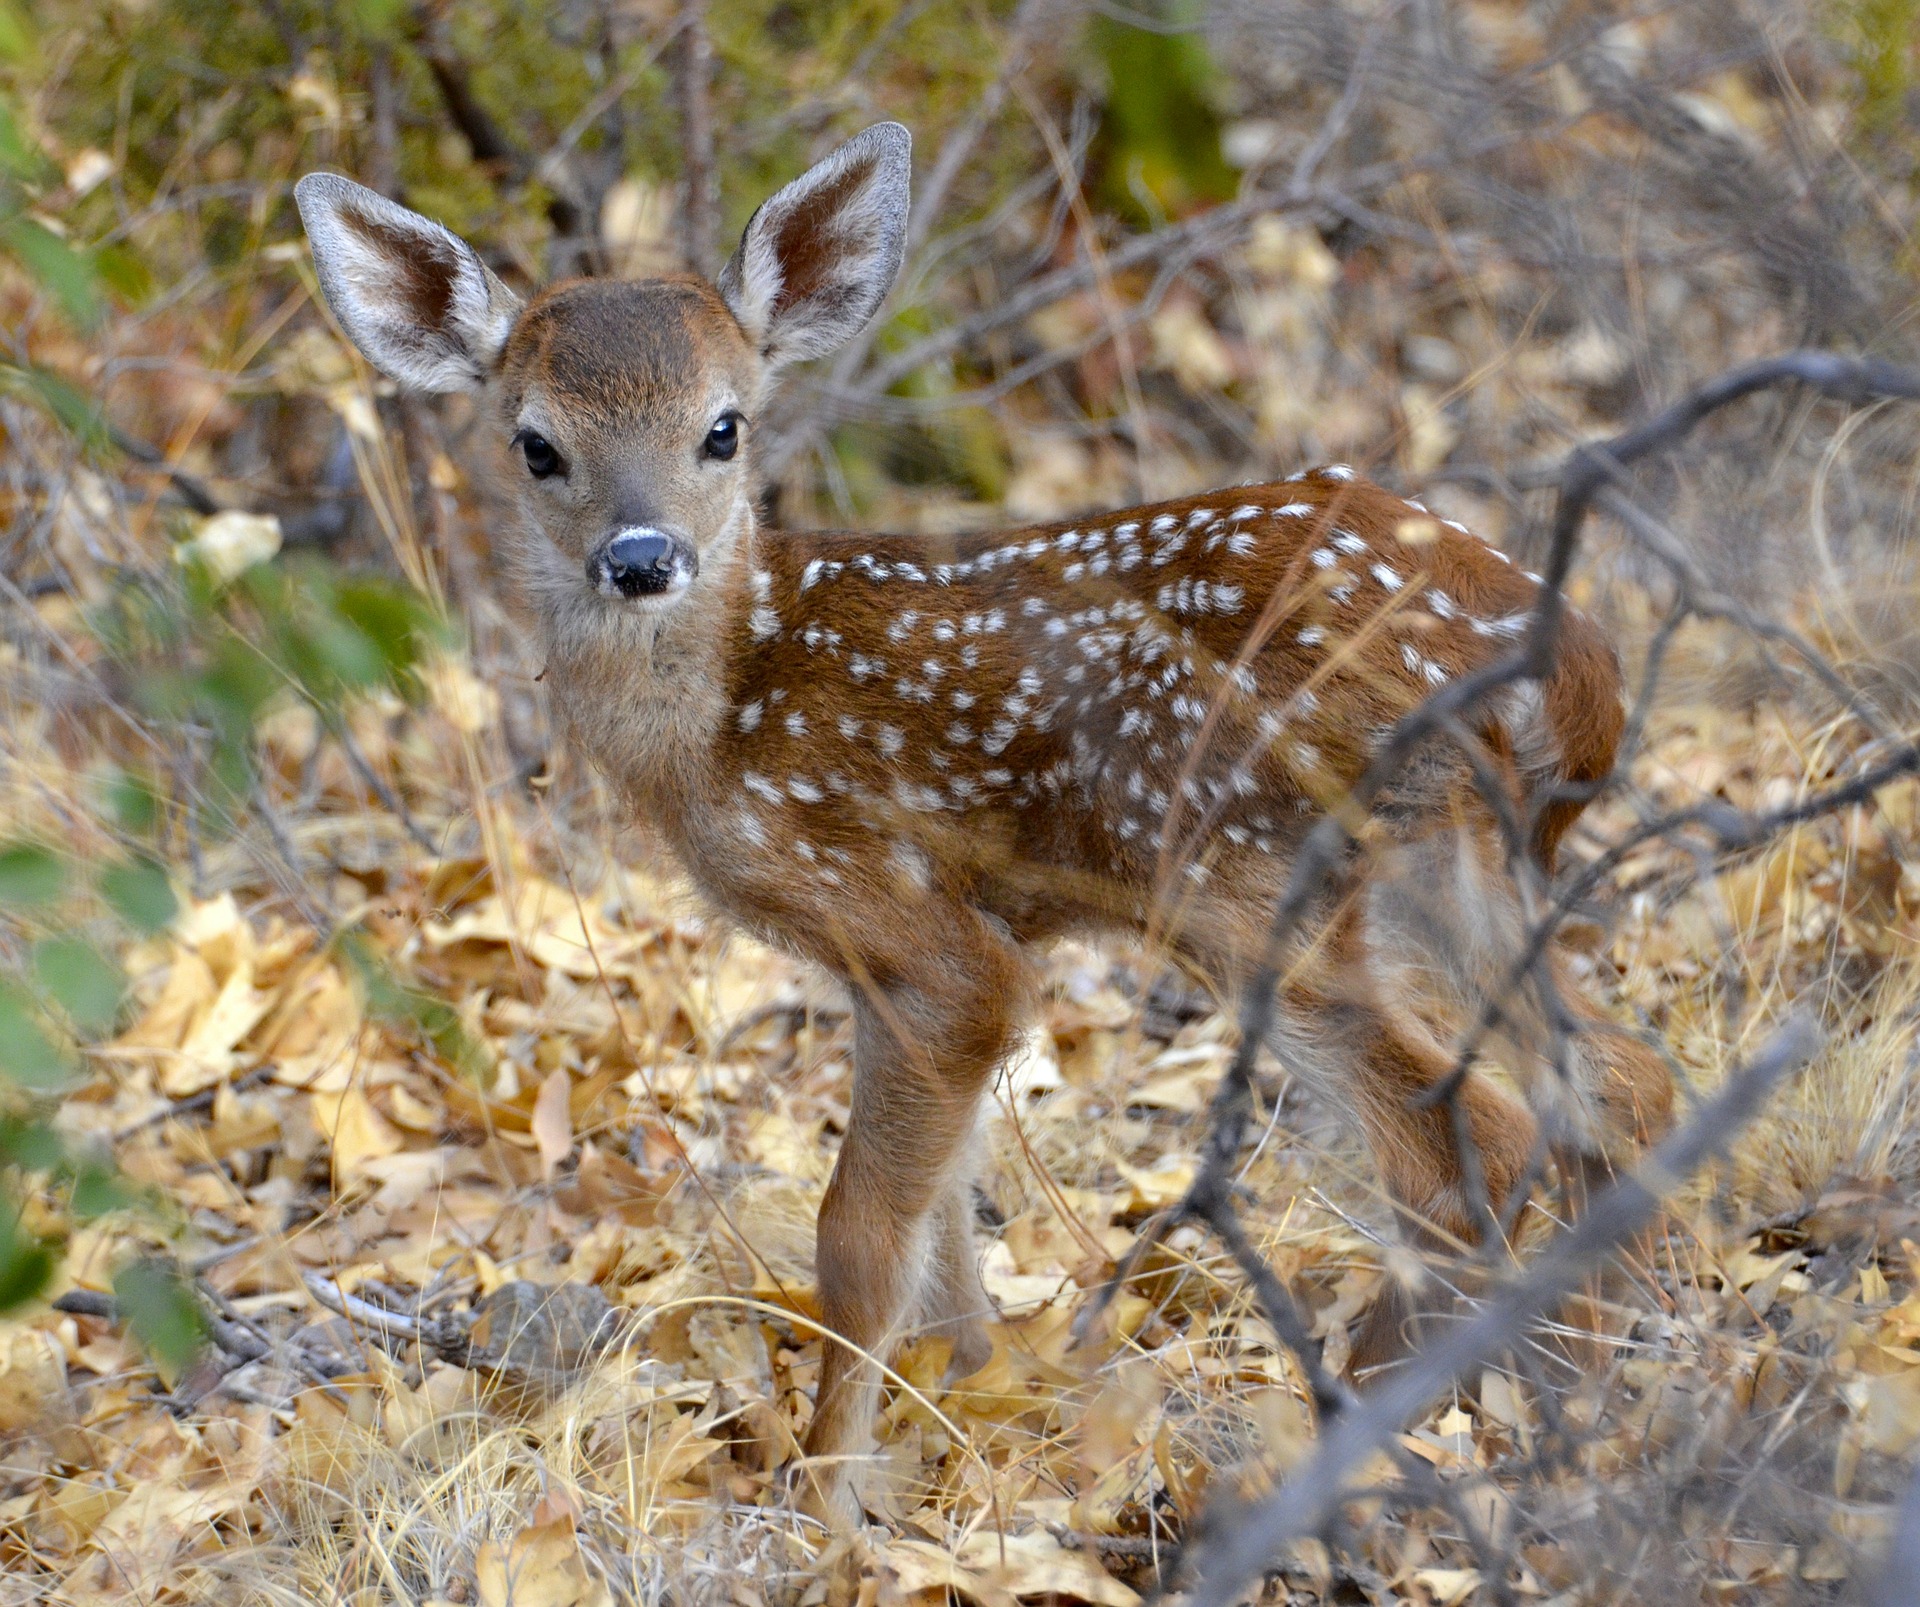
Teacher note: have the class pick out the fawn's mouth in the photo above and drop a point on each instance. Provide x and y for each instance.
(641, 562)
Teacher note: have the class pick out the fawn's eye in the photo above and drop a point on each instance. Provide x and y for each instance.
(723, 440)
(542, 459)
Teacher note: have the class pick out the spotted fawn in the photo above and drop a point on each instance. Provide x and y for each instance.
(912, 759)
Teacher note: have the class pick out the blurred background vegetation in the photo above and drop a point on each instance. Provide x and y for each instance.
(267, 712)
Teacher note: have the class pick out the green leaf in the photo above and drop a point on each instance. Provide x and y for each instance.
(379, 19)
(98, 1190)
(18, 154)
(1161, 132)
(66, 273)
(32, 1146)
(394, 619)
(73, 410)
(86, 984)
(161, 1311)
(123, 273)
(14, 39)
(135, 804)
(436, 1020)
(27, 1054)
(25, 1263)
(140, 894)
(30, 875)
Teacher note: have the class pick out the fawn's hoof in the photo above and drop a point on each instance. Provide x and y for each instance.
(822, 1493)
(972, 1350)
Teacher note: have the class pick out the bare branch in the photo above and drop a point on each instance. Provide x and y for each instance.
(699, 175)
(1894, 1585)
(1239, 1544)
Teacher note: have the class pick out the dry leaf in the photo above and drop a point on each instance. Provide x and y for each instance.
(539, 1567)
(1447, 1586)
(358, 1134)
(1036, 1564)
(33, 1376)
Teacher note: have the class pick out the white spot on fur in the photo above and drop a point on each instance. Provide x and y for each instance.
(921, 799)
(913, 864)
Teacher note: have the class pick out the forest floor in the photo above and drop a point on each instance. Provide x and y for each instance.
(571, 1341)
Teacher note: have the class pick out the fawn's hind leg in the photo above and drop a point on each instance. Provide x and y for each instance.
(1445, 1184)
(1379, 1065)
(955, 1302)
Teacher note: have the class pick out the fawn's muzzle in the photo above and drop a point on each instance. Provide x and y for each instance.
(640, 562)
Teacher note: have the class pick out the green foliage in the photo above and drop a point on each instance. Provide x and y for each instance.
(159, 1306)
(29, 1144)
(30, 875)
(86, 984)
(139, 893)
(78, 415)
(1882, 39)
(26, 1262)
(210, 654)
(1160, 138)
(215, 654)
(64, 272)
(394, 999)
(30, 1054)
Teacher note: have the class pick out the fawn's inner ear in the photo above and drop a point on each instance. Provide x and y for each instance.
(812, 239)
(419, 270)
(818, 258)
(416, 300)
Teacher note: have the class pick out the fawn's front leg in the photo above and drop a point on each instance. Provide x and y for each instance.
(925, 1046)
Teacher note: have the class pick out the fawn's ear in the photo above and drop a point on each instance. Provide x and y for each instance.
(415, 299)
(817, 258)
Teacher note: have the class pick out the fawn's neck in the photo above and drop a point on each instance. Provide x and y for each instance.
(645, 693)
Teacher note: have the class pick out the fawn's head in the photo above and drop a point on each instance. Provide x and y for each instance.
(623, 408)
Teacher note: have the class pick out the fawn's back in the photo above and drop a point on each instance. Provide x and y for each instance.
(1075, 723)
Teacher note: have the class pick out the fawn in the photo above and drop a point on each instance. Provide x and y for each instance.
(910, 759)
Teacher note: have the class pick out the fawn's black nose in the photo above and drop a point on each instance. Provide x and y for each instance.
(636, 563)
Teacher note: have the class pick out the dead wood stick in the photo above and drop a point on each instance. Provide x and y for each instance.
(1240, 1541)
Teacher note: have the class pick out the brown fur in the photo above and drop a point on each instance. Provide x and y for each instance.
(824, 842)
(910, 759)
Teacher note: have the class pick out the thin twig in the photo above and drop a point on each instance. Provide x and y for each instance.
(699, 174)
(1240, 1543)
